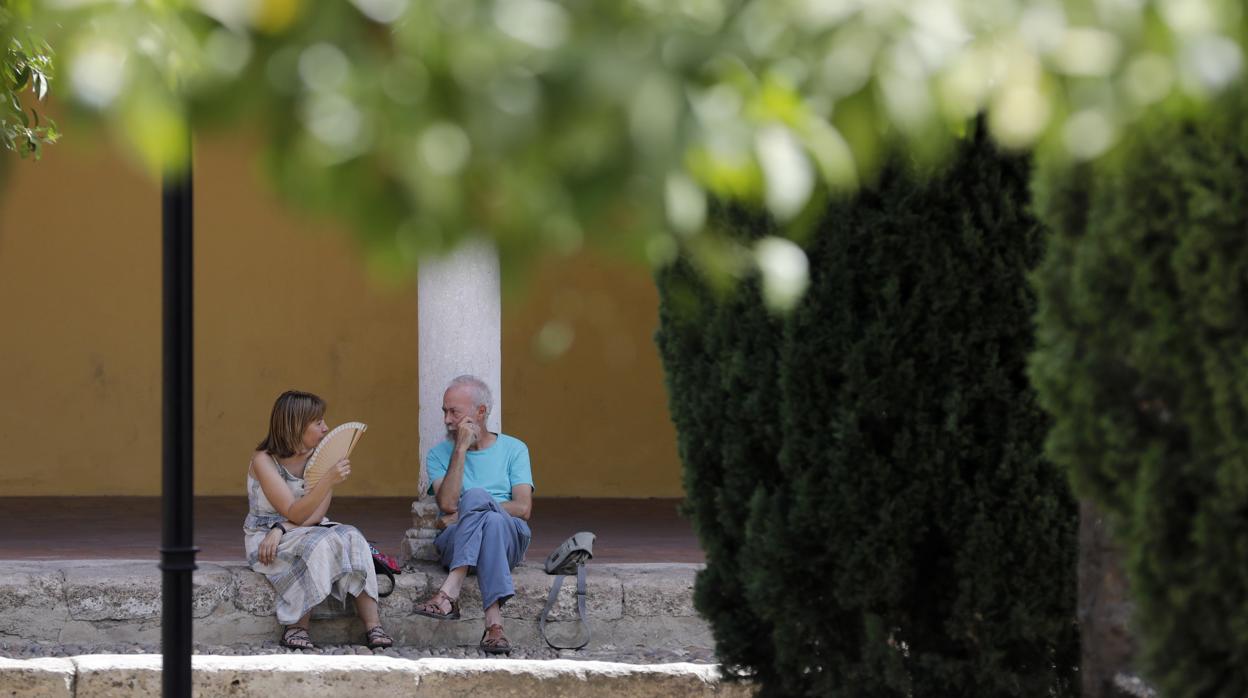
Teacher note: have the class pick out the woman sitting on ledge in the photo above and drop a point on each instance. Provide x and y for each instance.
(303, 554)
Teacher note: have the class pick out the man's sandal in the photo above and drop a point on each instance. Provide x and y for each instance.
(493, 641)
(378, 638)
(432, 608)
(297, 638)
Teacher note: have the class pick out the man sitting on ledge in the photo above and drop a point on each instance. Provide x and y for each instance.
(483, 484)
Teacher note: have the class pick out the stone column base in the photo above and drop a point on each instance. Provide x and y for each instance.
(417, 543)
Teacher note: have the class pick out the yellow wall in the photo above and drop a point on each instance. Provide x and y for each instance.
(595, 417)
(282, 301)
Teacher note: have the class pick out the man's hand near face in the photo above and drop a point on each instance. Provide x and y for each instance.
(467, 433)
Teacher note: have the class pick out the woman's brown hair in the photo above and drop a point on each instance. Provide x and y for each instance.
(292, 413)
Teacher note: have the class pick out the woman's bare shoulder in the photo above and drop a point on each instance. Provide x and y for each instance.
(258, 458)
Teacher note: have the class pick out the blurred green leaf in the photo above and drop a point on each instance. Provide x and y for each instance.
(555, 124)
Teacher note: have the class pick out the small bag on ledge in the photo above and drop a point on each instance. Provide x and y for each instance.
(384, 564)
(569, 558)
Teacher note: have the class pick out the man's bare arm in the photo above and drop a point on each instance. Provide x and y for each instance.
(521, 504)
(447, 495)
(452, 483)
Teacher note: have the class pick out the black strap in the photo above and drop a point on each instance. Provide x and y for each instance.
(555, 586)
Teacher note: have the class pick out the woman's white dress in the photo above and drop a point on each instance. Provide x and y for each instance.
(312, 562)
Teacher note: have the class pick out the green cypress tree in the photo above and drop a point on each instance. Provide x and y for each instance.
(1142, 359)
(720, 351)
(914, 541)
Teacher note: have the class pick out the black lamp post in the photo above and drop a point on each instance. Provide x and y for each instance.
(177, 550)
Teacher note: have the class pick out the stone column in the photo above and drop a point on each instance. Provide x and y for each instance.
(460, 321)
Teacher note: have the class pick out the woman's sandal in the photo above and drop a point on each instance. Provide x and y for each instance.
(432, 608)
(493, 641)
(378, 638)
(297, 638)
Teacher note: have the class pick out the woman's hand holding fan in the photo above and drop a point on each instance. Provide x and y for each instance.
(338, 472)
(332, 452)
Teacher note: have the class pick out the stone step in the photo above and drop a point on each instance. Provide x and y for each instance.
(96, 601)
(109, 676)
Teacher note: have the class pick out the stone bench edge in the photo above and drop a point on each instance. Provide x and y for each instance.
(104, 676)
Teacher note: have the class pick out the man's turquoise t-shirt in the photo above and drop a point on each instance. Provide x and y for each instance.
(495, 469)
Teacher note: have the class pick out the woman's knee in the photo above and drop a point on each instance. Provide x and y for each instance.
(348, 531)
(351, 535)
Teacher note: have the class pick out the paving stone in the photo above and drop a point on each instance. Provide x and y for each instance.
(417, 546)
(212, 586)
(32, 599)
(657, 632)
(469, 598)
(254, 594)
(113, 591)
(131, 590)
(604, 596)
(410, 588)
(663, 590)
(119, 602)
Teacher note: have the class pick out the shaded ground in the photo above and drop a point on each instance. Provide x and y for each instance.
(64, 528)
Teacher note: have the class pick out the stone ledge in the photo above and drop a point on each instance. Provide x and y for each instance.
(37, 677)
(86, 601)
(107, 676)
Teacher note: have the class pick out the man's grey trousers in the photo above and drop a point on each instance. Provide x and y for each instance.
(487, 538)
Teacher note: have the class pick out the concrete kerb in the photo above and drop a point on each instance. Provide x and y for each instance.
(84, 602)
(37, 678)
(107, 676)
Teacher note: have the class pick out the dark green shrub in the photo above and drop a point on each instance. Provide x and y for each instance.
(1142, 359)
(910, 540)
(929, 548)
(721, 353)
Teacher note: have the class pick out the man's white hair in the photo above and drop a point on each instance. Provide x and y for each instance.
(480, 391)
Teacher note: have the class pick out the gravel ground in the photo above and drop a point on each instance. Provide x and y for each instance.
(609, 653)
